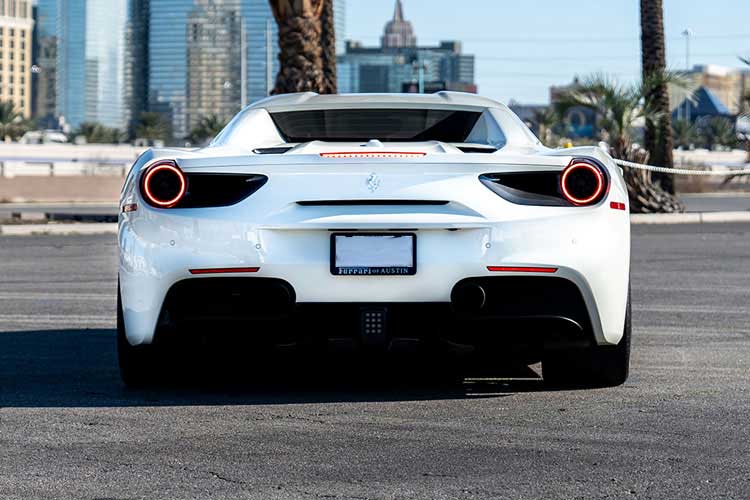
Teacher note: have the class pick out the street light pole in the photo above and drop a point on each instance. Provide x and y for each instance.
(687, 34)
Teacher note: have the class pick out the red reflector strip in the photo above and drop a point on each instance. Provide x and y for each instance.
(130, 207)
(225, 270)
(616, 205)
(512, 269)
(382, 154)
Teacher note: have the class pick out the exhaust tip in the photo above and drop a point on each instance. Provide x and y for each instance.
(468, 297)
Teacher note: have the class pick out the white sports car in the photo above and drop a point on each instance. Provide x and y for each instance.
(383, 223)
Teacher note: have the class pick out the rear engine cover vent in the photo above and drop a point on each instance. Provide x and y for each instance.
(476, 149)
(272, 151)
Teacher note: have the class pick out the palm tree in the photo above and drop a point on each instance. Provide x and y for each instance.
(658, 135)
(329, 48)
(96, 133)
(301, 53)
(544, 120)
(207, 128)
(152, 126)
(746, 107)
(717, 131)
(684, 133)
(619, 109)
(11, 121)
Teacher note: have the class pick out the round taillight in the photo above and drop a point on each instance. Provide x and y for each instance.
(582, 183)
(164, 185)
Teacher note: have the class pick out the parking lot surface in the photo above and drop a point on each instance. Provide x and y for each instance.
(679, 428)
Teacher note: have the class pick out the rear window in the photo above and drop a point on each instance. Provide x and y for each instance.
(359, 125)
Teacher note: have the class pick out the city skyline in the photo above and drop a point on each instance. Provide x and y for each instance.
(524, 48)
(399, 64)
(113, 67)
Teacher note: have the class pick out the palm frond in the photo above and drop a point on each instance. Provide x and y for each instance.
(672, 79)
(207, 127)
(617, 107)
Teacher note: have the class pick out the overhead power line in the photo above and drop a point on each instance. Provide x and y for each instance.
(633, 56)
(729, 36)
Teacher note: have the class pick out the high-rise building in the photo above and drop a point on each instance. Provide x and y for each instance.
(70, 81)
(44, 63)
(398, 31)
(136, 68)
(16, 29)
(90, 61)
(108, 61)
(400, 65)
(90, 78)
(213, 57)
(215, 47)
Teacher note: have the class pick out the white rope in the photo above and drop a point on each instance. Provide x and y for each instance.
(680, 171)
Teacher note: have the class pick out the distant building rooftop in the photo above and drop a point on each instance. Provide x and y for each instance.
(398, 64)
(398, 31)
(703, 103)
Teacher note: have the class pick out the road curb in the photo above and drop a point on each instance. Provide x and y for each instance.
(82, 228)
(690, 218)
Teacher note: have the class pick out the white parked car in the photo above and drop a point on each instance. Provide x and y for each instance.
(383, 222)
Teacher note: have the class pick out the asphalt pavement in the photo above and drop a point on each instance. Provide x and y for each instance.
(716, 202)
(679, 428)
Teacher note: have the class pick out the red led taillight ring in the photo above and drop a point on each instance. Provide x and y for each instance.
(599, 186)
(147, 179)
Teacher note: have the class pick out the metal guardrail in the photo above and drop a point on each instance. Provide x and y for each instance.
(11, 166)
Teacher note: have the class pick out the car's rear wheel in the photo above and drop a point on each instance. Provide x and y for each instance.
(138, 364)
(598, 366)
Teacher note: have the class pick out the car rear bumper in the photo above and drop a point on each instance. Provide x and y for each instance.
(514, 310)
(156, 256)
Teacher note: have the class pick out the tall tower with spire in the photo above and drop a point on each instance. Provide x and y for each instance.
(398, 32)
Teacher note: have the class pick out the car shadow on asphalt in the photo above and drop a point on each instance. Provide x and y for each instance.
(78, 368)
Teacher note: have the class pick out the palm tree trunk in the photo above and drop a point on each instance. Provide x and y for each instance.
(300, 46)
(658, 136)
(645, 196)
(329, 48)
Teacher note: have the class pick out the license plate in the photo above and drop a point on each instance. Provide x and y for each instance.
(358, 254)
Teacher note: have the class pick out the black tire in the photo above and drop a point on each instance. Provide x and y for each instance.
(596, 366)
(137, 363)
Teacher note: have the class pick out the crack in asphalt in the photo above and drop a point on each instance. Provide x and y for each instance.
(225, 479)
(334, 495)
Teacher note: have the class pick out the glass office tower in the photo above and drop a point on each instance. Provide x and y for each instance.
(136, 68)
(90, 84)
(114, 59)
(213, 57)
(44, 63)
(71, 61)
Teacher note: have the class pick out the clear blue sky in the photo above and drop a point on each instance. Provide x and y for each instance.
(524, 46)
